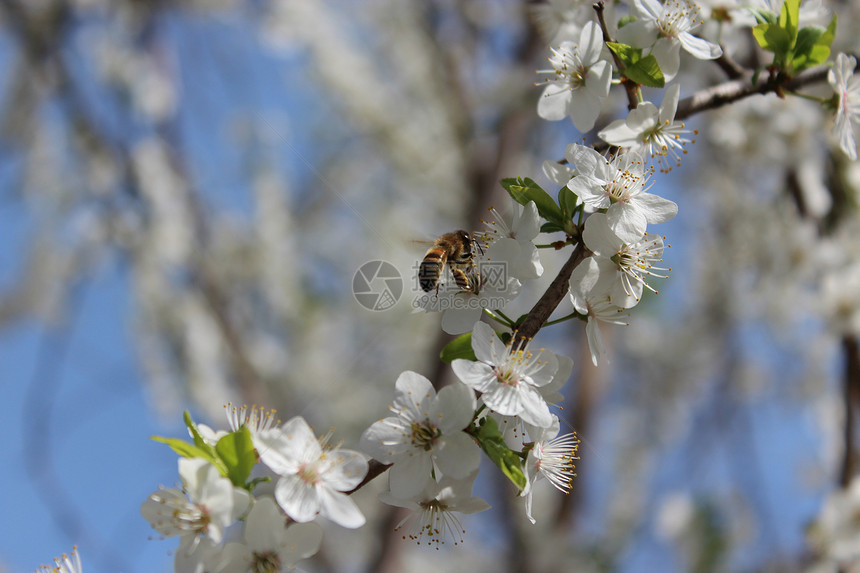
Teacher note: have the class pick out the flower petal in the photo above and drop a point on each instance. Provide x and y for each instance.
(476, 375)
(458, 456)
(553, 102)
(454, 408)
(699, 47)
(341, 509)
(410, 474)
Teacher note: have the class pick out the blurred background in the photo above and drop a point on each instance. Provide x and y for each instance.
(187, 189)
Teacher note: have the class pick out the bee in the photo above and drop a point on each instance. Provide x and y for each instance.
(456, 250)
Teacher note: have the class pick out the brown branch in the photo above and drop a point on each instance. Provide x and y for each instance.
(732, 69)
(631, 86)
(851, 390)
(729, 92)
(374, 470)
(550, 300)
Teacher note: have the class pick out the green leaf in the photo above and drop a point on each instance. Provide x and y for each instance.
(809, 51)
(773, 38)
(550, 228)
(237, 452)
(199, 441)
(763, 16)
(624, 20)
(646, 72)
(567, 200)
(806, 40)
(627, 54)
(493, 444)
(788, 18)
(460, 347)
(257, 481)
(183, 448)
(826, 39)
(208, 450)
(524, 190)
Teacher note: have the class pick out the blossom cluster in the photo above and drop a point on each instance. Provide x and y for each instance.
(278, 524)
(502, 401)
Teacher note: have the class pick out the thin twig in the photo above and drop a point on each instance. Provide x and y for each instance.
(631, 86)
(550, 300)
(732, 69)
(729, 92)
(851, 392)
(374, 470)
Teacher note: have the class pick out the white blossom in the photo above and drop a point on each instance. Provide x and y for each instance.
(626, 263)
(434, 510)
(270, 546)
(590, 293)
(652, 131)
(551, 456)
(518, 236)
(665, 28)
(509, 379)
(621, 186)
(579, 80)
(847, 87)
(425, 436)
(211, 504)
(312, 477)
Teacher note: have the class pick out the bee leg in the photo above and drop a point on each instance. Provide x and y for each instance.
(461, 279)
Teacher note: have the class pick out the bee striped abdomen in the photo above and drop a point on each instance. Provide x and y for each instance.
(431, 269)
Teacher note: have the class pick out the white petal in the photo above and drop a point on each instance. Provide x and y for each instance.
(627, 221)
(534, 409)
(454, 409)
(595, 340)
(618, 133)
(599, 237)
(642, 119)
(476, 375)
(556, 172)
(598, 80)
(460, 320)
(415, 393)
(590, 43)
(639, 34)
(458, 456)
(544, 373)
(483, 337)
(585, 159)
(302, 540)
(584, 109)
(297, 499)
(656, 209)
(670, 104)
(264, 527)
(553, 102)
(668, 54)
(582, 280)
(408, 476)
(649, 9)
(527, 226)
(699, 47)
(341, 509)
(347, 469)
